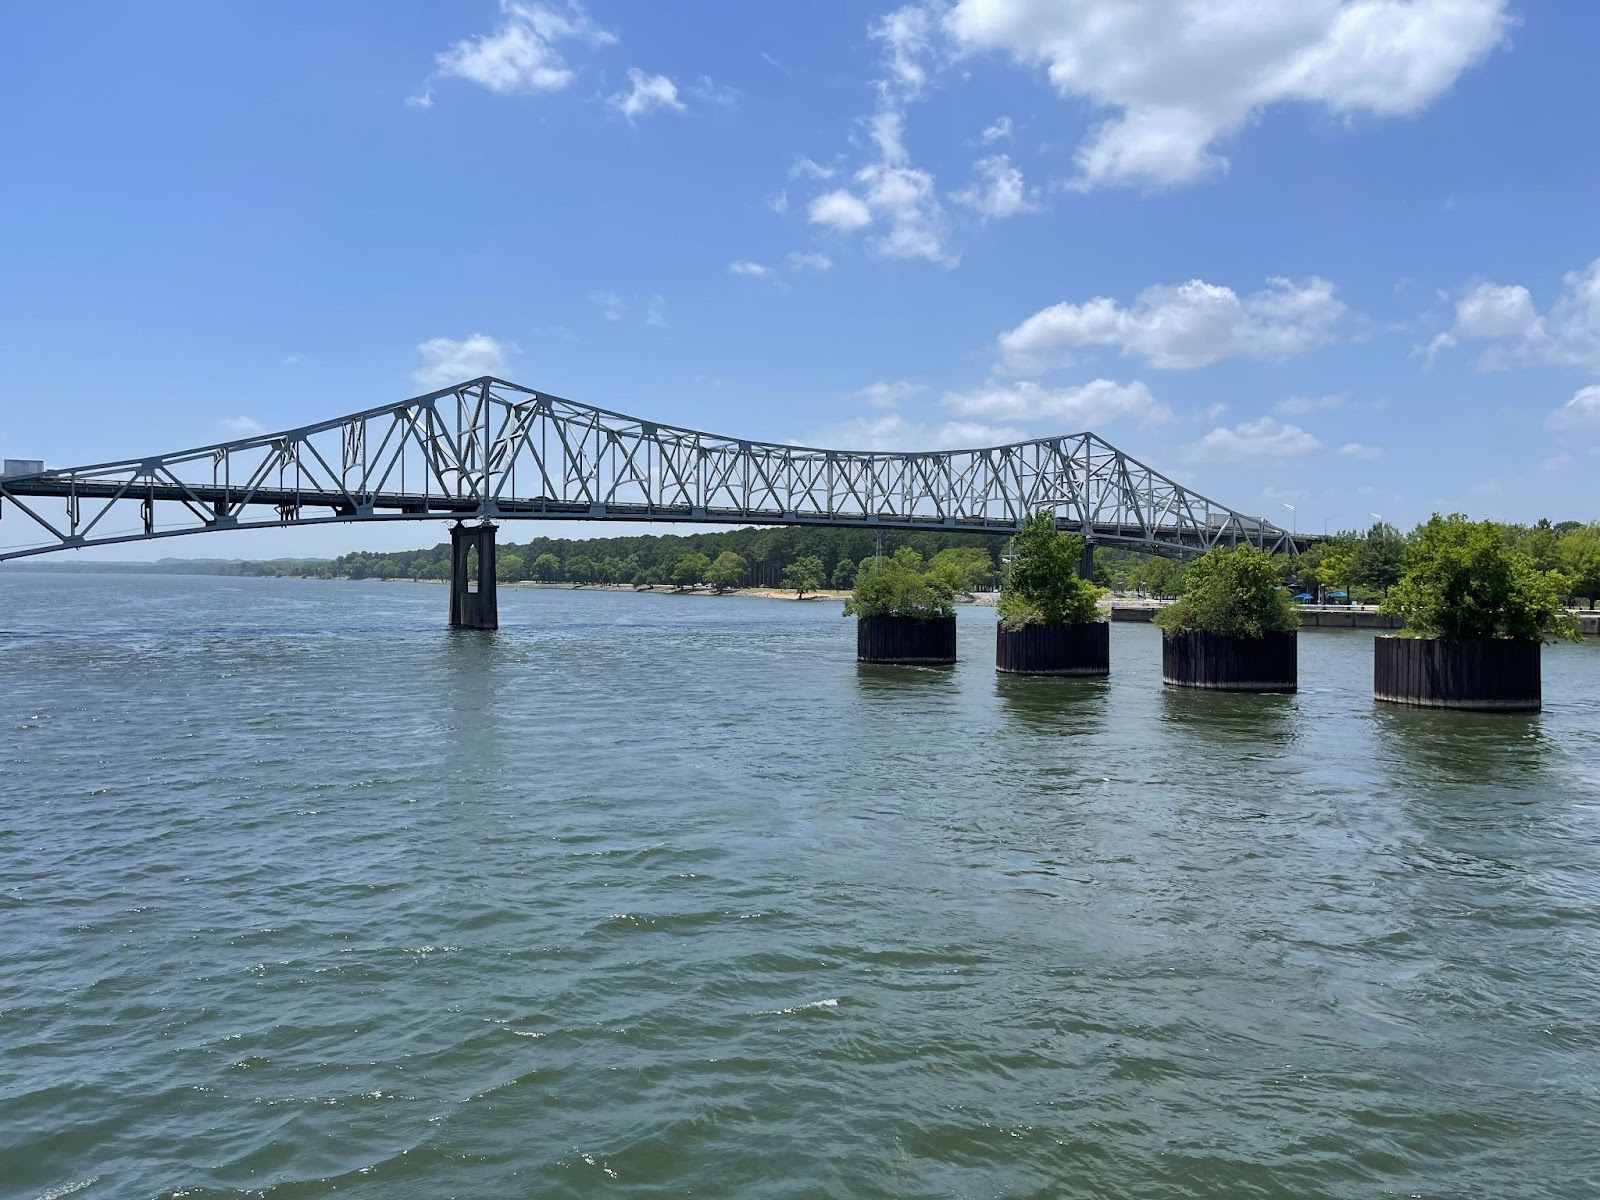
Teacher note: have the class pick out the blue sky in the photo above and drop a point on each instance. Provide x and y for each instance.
(1344, 255)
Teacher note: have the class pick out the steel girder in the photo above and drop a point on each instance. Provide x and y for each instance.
(494, 450)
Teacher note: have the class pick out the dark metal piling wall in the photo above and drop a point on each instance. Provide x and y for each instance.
(1220, 662)
(1495, 675)
(906, 640)
(1054, 649)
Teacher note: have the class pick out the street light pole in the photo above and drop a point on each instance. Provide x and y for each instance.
(1294, 520)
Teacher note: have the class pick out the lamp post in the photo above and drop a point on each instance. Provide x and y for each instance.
(1294, 521)
(1325, 521)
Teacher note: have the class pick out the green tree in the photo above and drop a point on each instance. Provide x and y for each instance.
(1041, 584)
(546, 568)
(1580, 561)
(963, 568)
(804, 575)
(1238, 592)
(1380, 557)
(898, 587)
(727, 572)
(1464, 581)
(844, 574)
(690, 569)
(580, 569)
(508, 567)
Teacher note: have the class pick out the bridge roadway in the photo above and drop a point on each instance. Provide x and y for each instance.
(460, 453)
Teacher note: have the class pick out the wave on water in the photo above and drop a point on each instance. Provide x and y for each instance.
(831, 1002)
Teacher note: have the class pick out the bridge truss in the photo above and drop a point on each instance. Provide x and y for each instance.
(491, 449)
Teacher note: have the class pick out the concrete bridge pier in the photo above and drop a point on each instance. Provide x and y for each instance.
(473, 603)
(1086, 560)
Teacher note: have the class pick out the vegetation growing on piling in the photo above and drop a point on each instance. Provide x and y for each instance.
(899, 586)
(1238, 592)
(1465, 581)
(1041, 585)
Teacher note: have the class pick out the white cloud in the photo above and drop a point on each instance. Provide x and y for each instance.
(1581, 412)
(242, 427)
(1002, 193)
(423, 101)
(891, 192)
(804, 168)
(446, 361)
(1299, 406)
(1000, 129)
(841, 210)
(891, 431)
(779, 203)
(1178, 77)
(1098, 402)
(1505, 317)
(1185, 326)
(715, 93)
(611, 305)
(904, 198)
(1360, 450)
(1261, 438)
(1556, 462)
(655, 312)
(908, 32)
(646, 93)
(752, 270)
(888, 395)
(520, 55)
(800, 260)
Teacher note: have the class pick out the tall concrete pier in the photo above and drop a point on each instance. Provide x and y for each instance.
(473, 603)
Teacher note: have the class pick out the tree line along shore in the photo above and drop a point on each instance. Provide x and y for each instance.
(1364, 564)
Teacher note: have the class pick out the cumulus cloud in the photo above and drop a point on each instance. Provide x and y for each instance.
(521, 55)
(1070, 409)
(888, 395)
(645, 93)
(446, 361)
(1581, 412)
(1505, 318)
(1177, 327)
(655, 312)
(805, 168)
(890, 193)
(998, 130)
(1000, 191)
(1360, 450)
(1261, 438)
(751, 270)
(801, 260)
(892, 431)
(839, 210)
(1177, 78)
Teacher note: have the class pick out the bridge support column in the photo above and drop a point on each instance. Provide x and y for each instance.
(1086, 560)
(473, 608)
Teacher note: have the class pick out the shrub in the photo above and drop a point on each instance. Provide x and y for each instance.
(1238, 592)
(1463, 581)
(898, 587)
(1041, 584)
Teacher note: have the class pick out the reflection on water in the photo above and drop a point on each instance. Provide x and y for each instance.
(1251, 718)
(1462, 748)
(1060, 704)
(884, 679)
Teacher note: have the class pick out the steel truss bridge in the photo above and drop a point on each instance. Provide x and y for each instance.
(490, 450)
